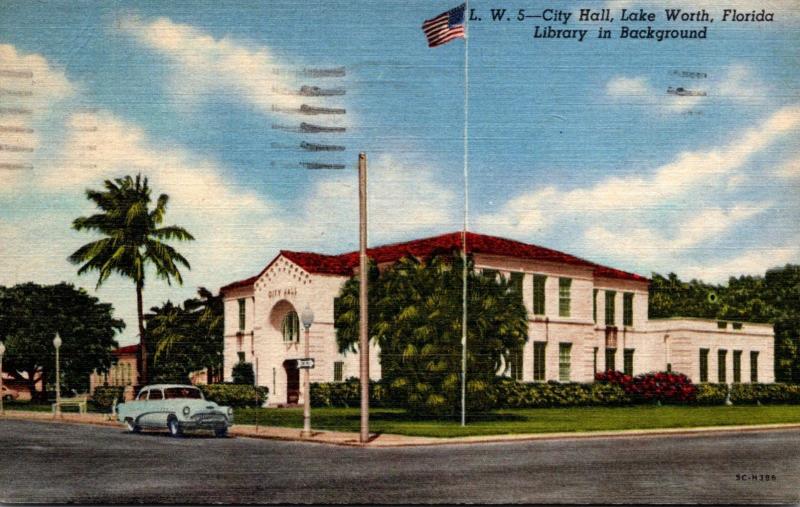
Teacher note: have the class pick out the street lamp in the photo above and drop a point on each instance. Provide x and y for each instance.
(57, 345)
(2, 394)
(308, 318)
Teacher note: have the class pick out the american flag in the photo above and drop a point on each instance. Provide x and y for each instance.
(445, 27)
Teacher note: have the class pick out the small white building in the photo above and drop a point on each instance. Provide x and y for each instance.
(583, 318)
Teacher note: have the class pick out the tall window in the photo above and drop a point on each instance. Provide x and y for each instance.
(754, 366)
(627, 361)
(515, 364)
(737, 365)
(564, 353)
(338, 371)
(721, 372)
(564, 286)
(627, 309)
(594, 306)
(538, 360)
(291, 327)
(241, 314)
(703, 365)
(594, 360)
(611, 363)
(515, 282)
(610, 296)
(538, 294)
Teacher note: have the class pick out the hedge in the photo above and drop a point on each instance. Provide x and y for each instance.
(103, 396)
(513, 394)
(711, 394)
(347, 394)
(235, 395)
(765, 393)
(651, 387)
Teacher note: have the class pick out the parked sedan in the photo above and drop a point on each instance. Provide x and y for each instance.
(175, 407)
(9, 394)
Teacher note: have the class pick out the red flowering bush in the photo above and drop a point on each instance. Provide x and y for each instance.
(662, 386)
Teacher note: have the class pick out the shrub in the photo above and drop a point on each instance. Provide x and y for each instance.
(662, 386)
(103, 396)
(235, 395)
(346, 394)
(711, 394)
(765, 393)
(513, 394)
(243, 373)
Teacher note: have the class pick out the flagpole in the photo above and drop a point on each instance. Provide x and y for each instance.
(464, 232)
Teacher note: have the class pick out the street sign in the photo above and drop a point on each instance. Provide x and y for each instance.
(305, 363)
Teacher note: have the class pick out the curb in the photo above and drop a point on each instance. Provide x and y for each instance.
(393, 441)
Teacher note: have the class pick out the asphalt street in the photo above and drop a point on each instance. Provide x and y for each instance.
(52, 463)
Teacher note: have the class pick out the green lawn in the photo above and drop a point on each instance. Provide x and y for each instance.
(46, 407)
(547, 420)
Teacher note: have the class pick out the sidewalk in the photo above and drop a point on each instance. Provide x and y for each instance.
(389, 440)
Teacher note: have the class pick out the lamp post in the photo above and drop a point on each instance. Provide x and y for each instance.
(2, 394)
(308, 318)
(57, 345)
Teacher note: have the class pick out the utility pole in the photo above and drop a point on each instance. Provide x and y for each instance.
(363, 314)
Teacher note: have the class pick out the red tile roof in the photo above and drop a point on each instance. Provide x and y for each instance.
(345, 264)
(128, 349)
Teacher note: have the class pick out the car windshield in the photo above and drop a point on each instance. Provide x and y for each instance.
(182, 392)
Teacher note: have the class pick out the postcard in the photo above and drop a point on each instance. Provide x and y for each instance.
(401, 252)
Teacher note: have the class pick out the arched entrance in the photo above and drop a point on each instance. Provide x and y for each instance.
(292, 382)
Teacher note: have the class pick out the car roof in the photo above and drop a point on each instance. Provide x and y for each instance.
(168, 386)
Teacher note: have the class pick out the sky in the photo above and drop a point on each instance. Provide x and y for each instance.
(570, 145)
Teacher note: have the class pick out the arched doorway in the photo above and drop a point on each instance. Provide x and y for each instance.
(292, 381)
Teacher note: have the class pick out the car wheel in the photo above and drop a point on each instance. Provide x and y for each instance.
(132, 428)
(221, 432)
(174, 428)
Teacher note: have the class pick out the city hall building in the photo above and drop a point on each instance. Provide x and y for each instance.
(583, 318)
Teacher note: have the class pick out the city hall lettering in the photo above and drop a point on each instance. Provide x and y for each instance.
(583, 318)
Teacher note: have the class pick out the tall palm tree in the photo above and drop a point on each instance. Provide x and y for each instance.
(132, 238)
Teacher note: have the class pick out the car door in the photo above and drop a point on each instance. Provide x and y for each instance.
(151, 411)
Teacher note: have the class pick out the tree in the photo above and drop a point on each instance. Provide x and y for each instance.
(773, 298)
(132, 239)
(187, 338)
(415, 316)
(31, 315)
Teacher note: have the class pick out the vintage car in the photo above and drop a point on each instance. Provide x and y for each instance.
(9, 394)
(175, 407)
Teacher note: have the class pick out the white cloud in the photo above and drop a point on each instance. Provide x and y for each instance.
(236, 69)
(405, 197)
(750, 262)
(31, 88)
(738, 84)
(655, 218)
(789, 169)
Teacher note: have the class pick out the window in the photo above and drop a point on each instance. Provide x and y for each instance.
(627, 309)
(142, 395)
(754, 366)
(514, 368)
(737, 365)
(338, 371)
(130, 373)
(515, 282)
(155, 394)
(594, 306)
(564, 286)
(611, 363)
(491, 273)
(721, 324)
(564, 352)
(241, 356)
(291, 327)
(703, 365)
(610, 296)
(594, 360)
(721, 372)
(538, 360)
(538, 294)
(627, 361)
(241, 314)
(173, 393)
(737, 326)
